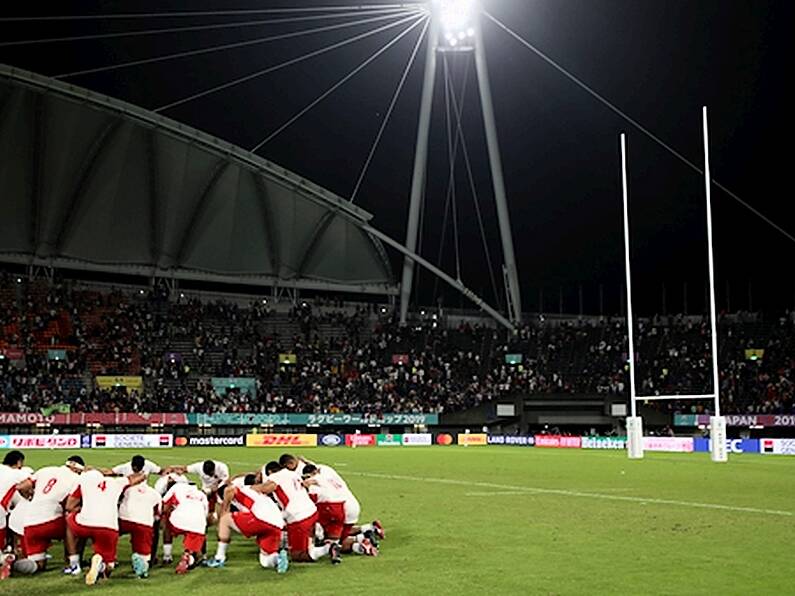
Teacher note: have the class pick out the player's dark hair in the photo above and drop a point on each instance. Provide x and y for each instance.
(12, 458)
(76, 459)
(221, 490)
(209, 467)
(309, 469)
(250, 479)
(271, 467)
(285, 459)
(137, 463)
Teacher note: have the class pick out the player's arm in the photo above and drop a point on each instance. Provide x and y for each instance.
(103, 471)
(136, 478)
(182, 469)
(25, 488)
(74, 500)
(229, 495)
(309, 482)
(265, 488)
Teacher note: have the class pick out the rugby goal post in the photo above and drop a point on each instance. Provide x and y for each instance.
(718, 451)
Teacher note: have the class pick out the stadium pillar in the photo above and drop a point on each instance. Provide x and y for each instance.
(495, 162)
(420, 166)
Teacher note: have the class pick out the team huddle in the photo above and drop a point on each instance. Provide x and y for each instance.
(296, 510)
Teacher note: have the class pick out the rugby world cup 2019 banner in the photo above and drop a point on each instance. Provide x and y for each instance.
(676, 444)
(521, 440)
(42, 442)
(603, 443)
(131, 441)
(313, 419)
(558, 441)
(81, 419)
(737, 420)
(702, 444)
(281, 440)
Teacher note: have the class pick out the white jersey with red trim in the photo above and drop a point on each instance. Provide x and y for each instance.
(292, 496)
(100, 499)
(9, 478)
(161, 484)
(126, 469)
(17, 519)
(213, 482)
(190, 508)
(140, 504)
(327, 490)
(53, 485)
(261, 506)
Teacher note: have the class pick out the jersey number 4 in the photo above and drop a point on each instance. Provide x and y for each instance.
(102, 486)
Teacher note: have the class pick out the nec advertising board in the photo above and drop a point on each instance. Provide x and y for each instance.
(211, 441)
(132, 441)
(676, 444)
(603, 443)
(360, 440)
(417, 439)
(521, 440)
(777, 446)
(389, 440)
(43, 442)
(330, 440)
(702, 444)
(473, 439)
(559, 441)
(281, 440)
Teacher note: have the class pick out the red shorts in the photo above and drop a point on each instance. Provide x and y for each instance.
(269, 537)
(332, 517)
(301, 534)
(103, 540)
(191, 541)
(140, 536)
(212, 500)
(39, 537)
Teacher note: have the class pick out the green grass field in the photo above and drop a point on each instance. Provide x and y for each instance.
(509, 520)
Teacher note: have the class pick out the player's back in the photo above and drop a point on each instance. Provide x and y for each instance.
(328, 490)
(140, 504)
(53, 485)
(9, 478)
(260, 505)
(100, 497)
(292, 496)
(190, 507)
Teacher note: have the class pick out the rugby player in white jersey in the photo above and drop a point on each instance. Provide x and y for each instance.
(162, 485)
(257, 516)
(331, 497)
(135, 465)
(139, 510)
(12, 480)
(372, 531)
(213, 474)
(93, 513)
(185, 507)
(300, 514)
(44, 516)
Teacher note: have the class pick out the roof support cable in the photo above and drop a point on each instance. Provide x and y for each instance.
(389, 110)
(290, 62)
(615, 109)
(339, 83)
(229, 46)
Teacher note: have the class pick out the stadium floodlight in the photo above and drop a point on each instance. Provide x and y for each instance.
(456, 18)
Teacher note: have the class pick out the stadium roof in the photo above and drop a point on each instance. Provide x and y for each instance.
(91, 182)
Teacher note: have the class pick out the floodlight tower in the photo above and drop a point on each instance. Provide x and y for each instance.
(455, 27)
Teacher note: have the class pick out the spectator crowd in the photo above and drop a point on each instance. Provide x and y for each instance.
(328, 358)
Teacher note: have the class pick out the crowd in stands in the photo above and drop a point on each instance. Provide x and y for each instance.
(327, 357)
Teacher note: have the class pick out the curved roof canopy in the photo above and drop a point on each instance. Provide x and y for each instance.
(90, 182)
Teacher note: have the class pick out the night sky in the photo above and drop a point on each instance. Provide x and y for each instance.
(659, 61)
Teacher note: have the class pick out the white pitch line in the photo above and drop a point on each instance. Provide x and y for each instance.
(574, 493)
(495, 493)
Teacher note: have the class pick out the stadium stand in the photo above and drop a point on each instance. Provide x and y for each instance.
(353, 358)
